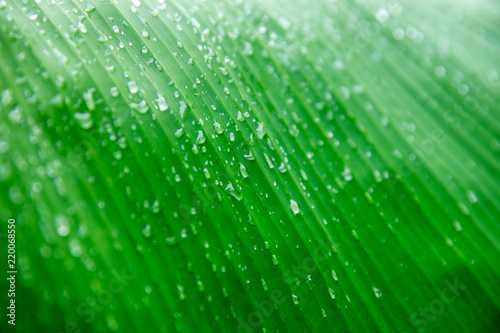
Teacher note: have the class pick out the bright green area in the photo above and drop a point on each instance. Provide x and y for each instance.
(251, 166)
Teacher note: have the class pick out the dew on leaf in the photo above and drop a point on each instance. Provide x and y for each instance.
(88, 96)
(114, 91)
(179, 132)
(249, 156)
(182, 109)
(200, 139)
(243, 171)
(294, 206)
(269, 162)
(84, 120)
(218, 128)
(140, 107)
(160, 101)
(260, 131)
(132, 87)
(331, 292)
(146, 232)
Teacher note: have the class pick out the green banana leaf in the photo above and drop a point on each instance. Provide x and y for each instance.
(250, 166)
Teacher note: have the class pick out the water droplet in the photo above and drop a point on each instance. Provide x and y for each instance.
(114, 91)
(88, 96)
(377, 292)
(335, 277)
(269, 162)
(218, 128)
(240, 117)
(264, 285)
(160, 101)
(182, 109)
(355, 234)
(179, 132)
(471, 196)
(84, 120)
(200, 286)
(295, 299)
(260, 131)
(382, 15)
(140, 107)
(331, 292)
(132, 87)
(347, 174)
(439, 71)
(201, 138)
(180, 292)
(249, 156)
(146, 232)
(230, 189)
(82, 27)
(275, 260)
(62, 225)
(294, 206)
(243, 171)
(75, 248)
(155, 207)
(170, 241)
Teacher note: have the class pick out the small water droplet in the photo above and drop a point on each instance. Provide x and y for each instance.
(471, 196)
(146, 232)
(243, 171)
(294, 206)
(84, 120)
(201, 138)
(160, 101)
(132, 87)
(264, 285)
(377, 292)
(269, 162)
(114, 91)
(249, 156)
(260, 131)
(218, 128)
(140, 107)
(331, 292)
(179, 132)
(335, 277)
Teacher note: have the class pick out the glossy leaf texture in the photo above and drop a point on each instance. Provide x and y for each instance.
(252, 166)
